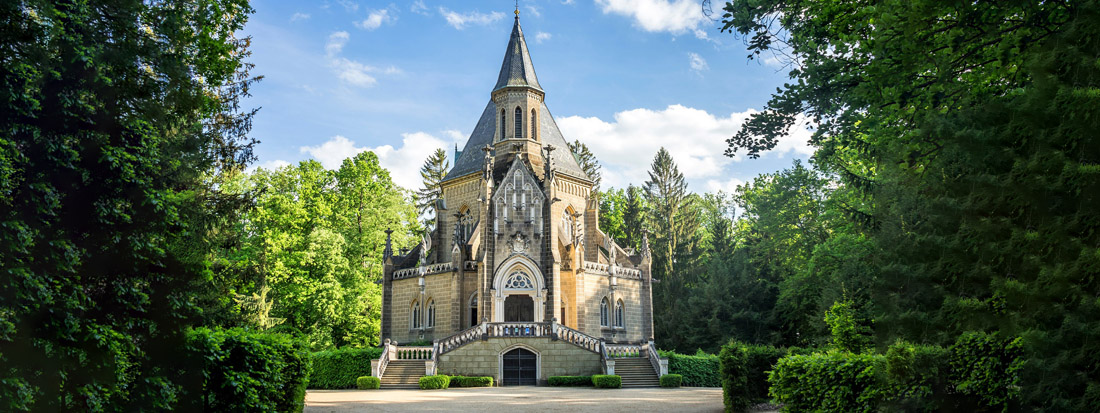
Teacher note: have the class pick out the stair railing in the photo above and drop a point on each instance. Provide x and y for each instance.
(378, 367)
(624, 350)
(659, 365)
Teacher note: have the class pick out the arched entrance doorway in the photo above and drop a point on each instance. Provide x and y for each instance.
(519, 308)
(520, 368)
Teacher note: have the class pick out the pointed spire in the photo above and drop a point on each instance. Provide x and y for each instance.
(517, 69)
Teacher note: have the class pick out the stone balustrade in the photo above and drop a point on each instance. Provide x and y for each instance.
(517, 329)
(597, 268)
(414, 353)
(423, 269)
(624, 350)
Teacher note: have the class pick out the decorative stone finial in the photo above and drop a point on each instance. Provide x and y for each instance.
(388, 252)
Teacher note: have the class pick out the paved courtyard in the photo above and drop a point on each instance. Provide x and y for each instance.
(517, 399)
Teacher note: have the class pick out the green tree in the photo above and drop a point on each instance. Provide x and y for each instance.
(612, 207)
(433, 171)
(969, 128)
(588, 162)
(116, 116)
(634, 216)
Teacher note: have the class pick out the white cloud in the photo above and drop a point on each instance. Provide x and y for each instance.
(269, 165)
(542, 36)
(335, 44)
(375, 19)
(567, 2)
(676, 16)
(533, 10)
(728, 186)
(351, 71)
(697, 62)
(695, 138)
(349, 5)
(460, 20)
(299, 16)
(418, 7)
(403, 163)
(456, 136)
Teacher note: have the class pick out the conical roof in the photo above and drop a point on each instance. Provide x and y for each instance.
(517, 69)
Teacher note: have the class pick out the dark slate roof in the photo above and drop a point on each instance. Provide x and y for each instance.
(472, 158)
(517, 69)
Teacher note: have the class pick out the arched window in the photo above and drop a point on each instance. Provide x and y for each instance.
(503, 124)
(415, 315)
(534, 125)
(604, 313)
(473, 310)
(567, 223)
(466, 223)
(431, 314)
(519, 123)
(619, 314)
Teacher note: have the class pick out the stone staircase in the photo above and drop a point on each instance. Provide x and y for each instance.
(404, 374)
(636, 372)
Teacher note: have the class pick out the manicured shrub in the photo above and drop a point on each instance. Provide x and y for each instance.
(368, 383)
(248, 371)
(987, 367)
(699, 370)
(603, 381)
(743, 370)
(435, 382)
(671, 380)
(474, 381)
(917, 377)
(571, 381)
(831, 382)
(339, 368)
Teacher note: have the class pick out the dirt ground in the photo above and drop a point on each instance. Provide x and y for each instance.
(517, 399)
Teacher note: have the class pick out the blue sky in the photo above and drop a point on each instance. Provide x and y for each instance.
(403, 78)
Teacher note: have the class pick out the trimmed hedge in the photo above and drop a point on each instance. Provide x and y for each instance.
(744, 371)
(471, 381)
(918, 376)
(986, 367)
(339, 368)
(438, 381)
(833, 381)
(603, 381)
(571, 381)
(248, 371)
(368, 383)
(671, 380)
(700, 370)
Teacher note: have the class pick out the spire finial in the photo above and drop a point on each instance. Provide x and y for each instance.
(517, 9)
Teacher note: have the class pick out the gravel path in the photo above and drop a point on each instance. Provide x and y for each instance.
(517, 399)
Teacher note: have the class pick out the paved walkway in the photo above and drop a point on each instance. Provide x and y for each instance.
(517, 399)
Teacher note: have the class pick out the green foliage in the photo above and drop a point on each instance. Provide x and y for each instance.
(700, 370)
(339, 368)
(918, 377)
(744, 372)
(587, 161)
(247, 371)
(833, 381)
(671, 380)
(435, 382)
(849, 333)
(604, 381)
(987, 366)
(368, 383)
(612, 207)
(573, 381)
(434, 170)
(471, 381)
(118, 119)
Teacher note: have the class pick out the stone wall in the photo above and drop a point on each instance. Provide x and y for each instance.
(438, 288)
(556, 358)
(629, 290)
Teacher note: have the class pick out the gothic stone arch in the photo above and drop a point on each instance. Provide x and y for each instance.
(518, 275)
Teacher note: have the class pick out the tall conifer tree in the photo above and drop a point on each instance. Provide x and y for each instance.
(588, 162)
(433, 171)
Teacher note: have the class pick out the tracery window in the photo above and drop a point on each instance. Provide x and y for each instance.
(415, 318)
(466, 223)
(519, 123)
(534, 125)
(603, 313)
(619, 314)
(567, 223)
(431, 314)
(519, 280)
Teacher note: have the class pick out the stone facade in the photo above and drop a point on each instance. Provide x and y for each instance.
(517, 240)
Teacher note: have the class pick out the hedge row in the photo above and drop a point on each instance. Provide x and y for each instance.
(978, 373)
(338, 369)
(248, 371)
(438, 381)
(571, 381)
(743, 369)
(700, 370)
(604, 381)
(471, 381)
(671, 380)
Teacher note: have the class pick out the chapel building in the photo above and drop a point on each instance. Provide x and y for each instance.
(517, 281)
